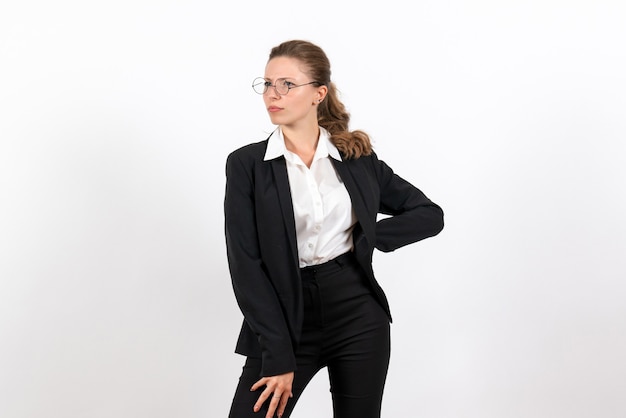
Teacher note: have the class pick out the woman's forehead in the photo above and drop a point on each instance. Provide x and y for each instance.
(284, 67)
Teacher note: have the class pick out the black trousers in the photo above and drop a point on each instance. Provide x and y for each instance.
(344, 330)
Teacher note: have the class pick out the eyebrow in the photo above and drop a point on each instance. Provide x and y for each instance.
(280, 78)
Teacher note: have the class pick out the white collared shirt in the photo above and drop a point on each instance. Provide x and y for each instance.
(321, 204)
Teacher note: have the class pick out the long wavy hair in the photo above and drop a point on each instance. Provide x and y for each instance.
(331, 112)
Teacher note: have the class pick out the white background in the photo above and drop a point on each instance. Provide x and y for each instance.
(115, 121)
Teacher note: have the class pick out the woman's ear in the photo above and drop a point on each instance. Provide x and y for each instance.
(321, 94)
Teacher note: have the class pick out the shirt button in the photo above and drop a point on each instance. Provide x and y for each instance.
(310, 245)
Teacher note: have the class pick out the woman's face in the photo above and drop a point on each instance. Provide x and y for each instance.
(300, 103)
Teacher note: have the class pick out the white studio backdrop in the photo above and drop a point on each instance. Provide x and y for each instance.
(115, 122)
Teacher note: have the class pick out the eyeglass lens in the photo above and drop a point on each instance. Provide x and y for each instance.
(260, 85)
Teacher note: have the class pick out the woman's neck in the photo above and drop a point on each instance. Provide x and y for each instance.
(302, 141)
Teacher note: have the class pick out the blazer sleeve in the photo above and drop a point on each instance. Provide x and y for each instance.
(413, 216)
(253, 289)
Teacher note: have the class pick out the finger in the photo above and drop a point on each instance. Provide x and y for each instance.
(258, 384)
(262, 398)
(273, 405)
(283, 404)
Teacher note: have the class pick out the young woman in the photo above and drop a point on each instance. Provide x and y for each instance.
(301, 227)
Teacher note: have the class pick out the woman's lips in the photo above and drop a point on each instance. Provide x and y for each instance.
(274, 109)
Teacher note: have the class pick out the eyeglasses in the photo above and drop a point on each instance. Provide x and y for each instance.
(281, 86)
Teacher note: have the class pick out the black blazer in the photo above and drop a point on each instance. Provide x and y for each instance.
(262, 251)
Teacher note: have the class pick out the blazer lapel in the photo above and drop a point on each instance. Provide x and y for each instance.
(279, 167)
(358, 203)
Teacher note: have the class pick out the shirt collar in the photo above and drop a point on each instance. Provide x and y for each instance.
(276, 146)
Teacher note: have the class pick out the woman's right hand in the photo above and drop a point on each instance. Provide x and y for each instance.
(279, 388)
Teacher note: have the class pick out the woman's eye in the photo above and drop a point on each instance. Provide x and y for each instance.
(285, 83)
(267, 83)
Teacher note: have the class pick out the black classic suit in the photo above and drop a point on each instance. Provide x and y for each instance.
(262, 250)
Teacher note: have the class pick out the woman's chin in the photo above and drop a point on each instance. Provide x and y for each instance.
(276, 120)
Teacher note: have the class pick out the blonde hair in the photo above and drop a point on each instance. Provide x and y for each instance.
(331, 113)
